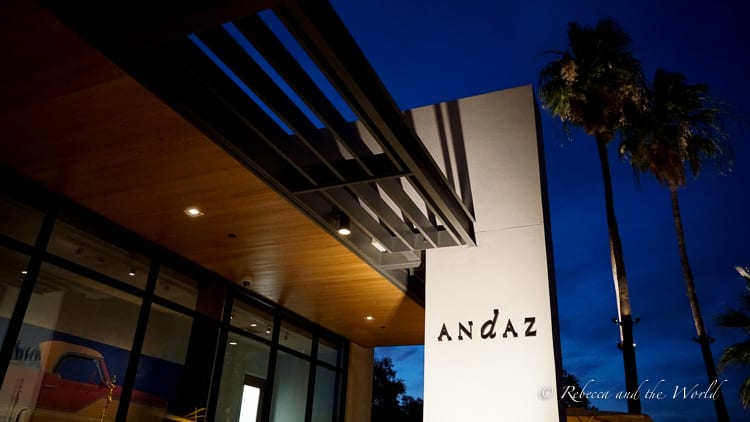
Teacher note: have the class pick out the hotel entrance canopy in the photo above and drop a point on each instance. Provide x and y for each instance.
(246, 110)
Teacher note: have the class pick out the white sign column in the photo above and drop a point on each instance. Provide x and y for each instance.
(490, 338)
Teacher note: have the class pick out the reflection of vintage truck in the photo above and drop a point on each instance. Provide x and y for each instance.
(66, 382)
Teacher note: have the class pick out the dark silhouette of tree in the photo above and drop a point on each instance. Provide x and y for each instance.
(386, 391)
(679, 130)
(413, 408)
(389, 402)
(590, 85)
(738, 354)
(571, 383)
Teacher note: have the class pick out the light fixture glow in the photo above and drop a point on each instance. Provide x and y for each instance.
(232, 343)
(24, 272)
(253, 324)
(377, 245)
(132, 273)
(344, 229)
(369, 317)
(193, 212)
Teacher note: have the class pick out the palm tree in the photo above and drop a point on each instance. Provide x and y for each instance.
(590, 85)
(739, 353)
(678, 131)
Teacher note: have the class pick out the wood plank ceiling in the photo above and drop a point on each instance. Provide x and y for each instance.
(76, 122)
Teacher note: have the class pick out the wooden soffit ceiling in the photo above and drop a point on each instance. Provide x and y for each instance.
(74, 122)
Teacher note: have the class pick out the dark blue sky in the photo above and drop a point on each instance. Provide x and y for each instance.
(431, 51)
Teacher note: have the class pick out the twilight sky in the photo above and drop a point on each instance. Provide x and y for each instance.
(431, 51)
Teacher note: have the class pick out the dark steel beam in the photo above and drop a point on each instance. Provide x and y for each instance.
(354, 175)
(395, 190)
(128, 28)
(370, 195)
(400, 260)
(244, 128)
(247, 70)
(320, 31)
(266, 42)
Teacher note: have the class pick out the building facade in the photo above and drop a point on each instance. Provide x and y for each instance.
(173, 184)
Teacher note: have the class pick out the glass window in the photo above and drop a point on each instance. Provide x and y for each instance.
(19, 221)
(325, 395)
(73, 348)
(328, 351)
(295, 338)
(177, 287)
(91, 252)
(161, 366)
(252, 320)
(12, 273)
(289, 388)
(243, 375)
(80, 369)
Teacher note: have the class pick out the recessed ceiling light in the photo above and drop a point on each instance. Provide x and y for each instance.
(232, 343)
(24, 272)
(132, 273)
(193, 212)
(253, 324)
(369, 317)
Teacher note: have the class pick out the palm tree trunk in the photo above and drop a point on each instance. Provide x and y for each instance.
(703, 338)
(621, 283)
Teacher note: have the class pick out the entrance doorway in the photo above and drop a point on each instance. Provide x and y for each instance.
(252, 394)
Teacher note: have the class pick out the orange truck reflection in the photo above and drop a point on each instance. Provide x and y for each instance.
(69, 382)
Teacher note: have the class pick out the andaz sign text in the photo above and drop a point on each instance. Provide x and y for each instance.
(488, 329)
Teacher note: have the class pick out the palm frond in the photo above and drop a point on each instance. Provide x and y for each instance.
(679, 130)
(744, 272)
(737, 354)
(733, 318)
(745, 393)
(591, 83)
